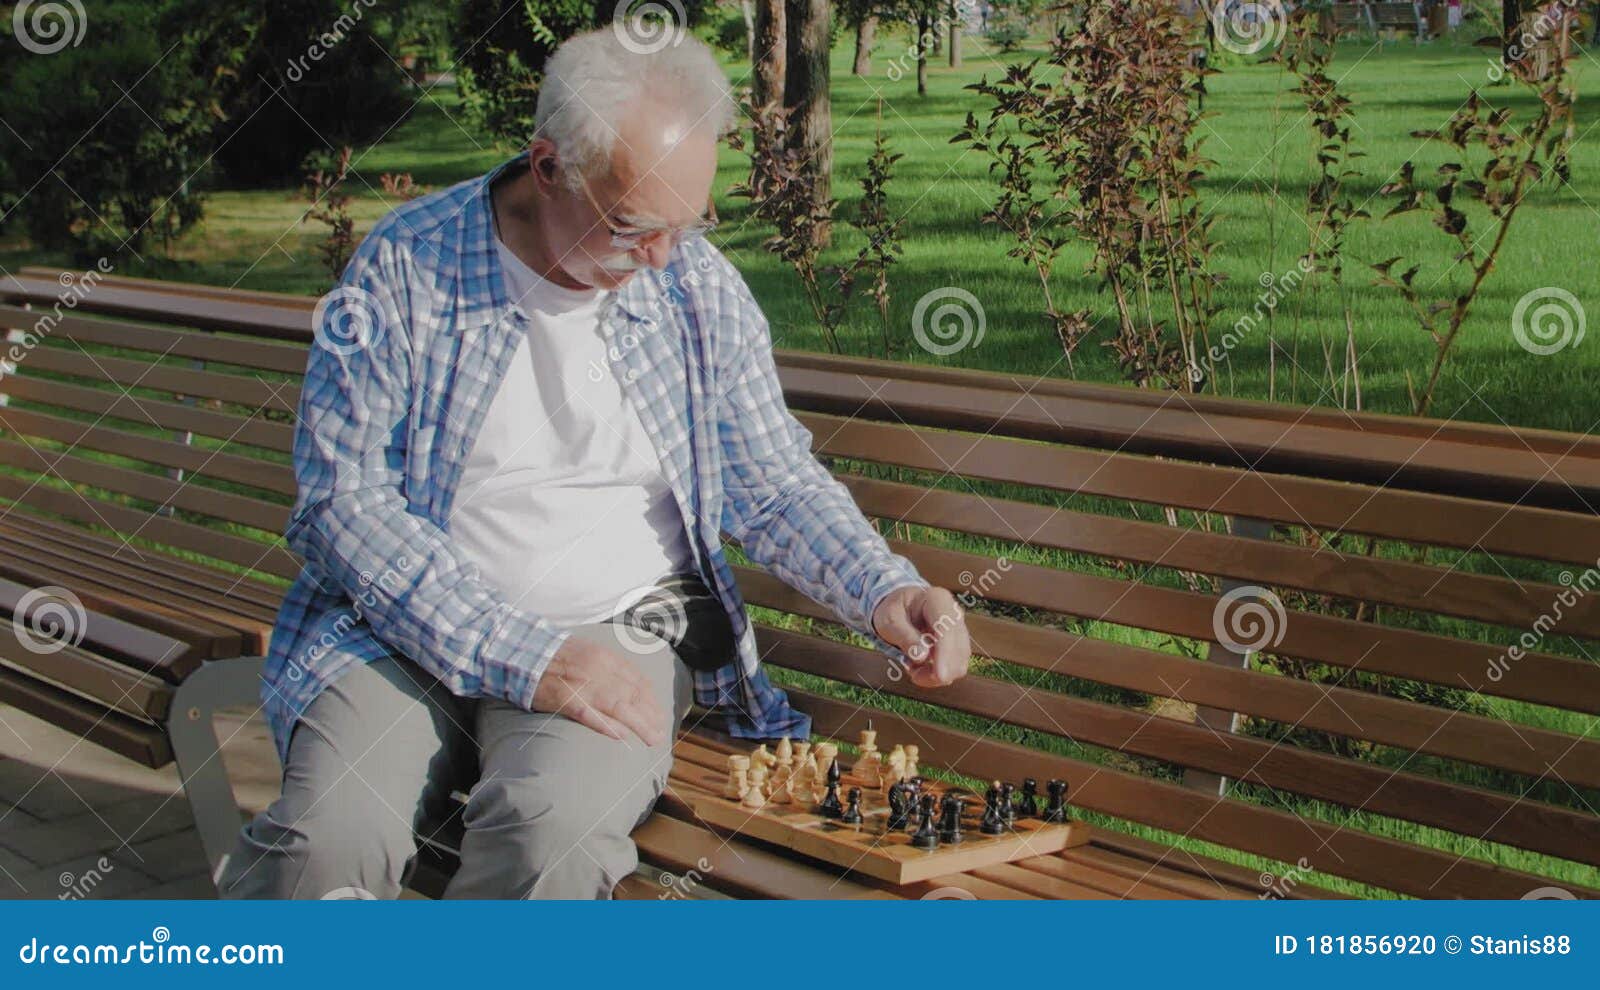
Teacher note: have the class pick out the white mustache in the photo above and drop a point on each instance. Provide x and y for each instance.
(622, 263)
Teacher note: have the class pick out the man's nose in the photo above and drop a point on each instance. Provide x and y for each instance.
(655, 249)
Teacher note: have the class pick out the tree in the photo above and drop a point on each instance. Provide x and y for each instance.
(118, 138)
(809, 26)
(291, 77)
(862, 17)
(771, 52)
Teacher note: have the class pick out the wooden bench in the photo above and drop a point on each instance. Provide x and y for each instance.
(1372, 19)
(1099, 535)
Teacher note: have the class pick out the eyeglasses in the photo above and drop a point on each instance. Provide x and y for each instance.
(629, 238)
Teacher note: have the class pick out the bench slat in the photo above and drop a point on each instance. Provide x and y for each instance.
(1329, 506)
(145, 412)
(265, 475)
(237, 389)
(1354, 576)
(231, 350)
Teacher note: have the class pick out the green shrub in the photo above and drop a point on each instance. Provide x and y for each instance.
(107, 141)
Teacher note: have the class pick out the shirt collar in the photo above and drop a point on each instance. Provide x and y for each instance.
(476, 253)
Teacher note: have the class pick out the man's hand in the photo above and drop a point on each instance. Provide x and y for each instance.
(598, 687)
(927, 626)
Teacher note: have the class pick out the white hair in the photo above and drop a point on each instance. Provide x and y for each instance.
(593, 79)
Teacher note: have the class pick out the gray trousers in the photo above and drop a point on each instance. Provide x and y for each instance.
(376, 756)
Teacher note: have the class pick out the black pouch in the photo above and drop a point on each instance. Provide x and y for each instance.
(684, 612)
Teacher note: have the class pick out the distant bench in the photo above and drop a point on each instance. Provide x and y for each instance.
(155, 417)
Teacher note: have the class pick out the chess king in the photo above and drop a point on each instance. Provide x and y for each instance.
(558, 394)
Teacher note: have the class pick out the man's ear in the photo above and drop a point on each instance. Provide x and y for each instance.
(543, 163)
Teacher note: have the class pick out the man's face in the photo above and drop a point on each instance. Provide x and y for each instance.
(625, 218)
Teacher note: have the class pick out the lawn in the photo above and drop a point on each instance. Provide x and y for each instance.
(1258, 138)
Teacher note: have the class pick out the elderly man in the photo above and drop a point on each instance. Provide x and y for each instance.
(536, 401)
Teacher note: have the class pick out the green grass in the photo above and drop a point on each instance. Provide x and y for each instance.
(1257, 136)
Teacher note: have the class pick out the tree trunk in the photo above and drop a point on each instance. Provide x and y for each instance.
(866, 34)
(955, 37)
(748, 7)
(806, 94)
(923, 27)
(771, 47)
(1511, 27)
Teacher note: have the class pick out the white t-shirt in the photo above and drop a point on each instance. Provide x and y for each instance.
(562, 504)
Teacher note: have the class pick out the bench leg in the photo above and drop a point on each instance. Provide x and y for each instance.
(190, 726)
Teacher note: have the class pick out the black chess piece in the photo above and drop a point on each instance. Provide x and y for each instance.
(831, 808)
(950, 828)
(900, 806)
(926, 837)
(1008, 807)
(1055, 813)
(852, 813)
(1028, 803)
(992, 823)
(913, 799)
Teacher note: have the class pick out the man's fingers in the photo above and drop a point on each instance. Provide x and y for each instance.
(588, 715)
(643, 718)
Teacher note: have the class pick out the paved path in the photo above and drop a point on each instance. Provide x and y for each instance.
(79, 822)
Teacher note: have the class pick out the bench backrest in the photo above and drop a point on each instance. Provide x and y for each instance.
(1297, 633)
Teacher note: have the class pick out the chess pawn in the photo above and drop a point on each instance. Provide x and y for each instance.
(785, 751)
(911, 761)
(781, 779)
(802, 782)
(802, 750)
(738, 777)
(756, 797)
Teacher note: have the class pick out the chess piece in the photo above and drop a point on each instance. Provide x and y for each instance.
(831, 808)
(763, 757)
(852, 813)
(1055, 812)
(803, 782)
(926, 837)
(950, 827)
(911, 761)
(1008, 807)
(802, 751)
(992, 823)
(756, 797)
(785, 751)
(738, 777)
(868, 764)
(900, 806)
(780, 791)
(1028, 803)
(894, 766)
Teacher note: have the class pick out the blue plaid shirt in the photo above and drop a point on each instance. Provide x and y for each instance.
(410, 350)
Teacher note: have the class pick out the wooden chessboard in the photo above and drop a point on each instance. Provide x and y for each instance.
(871, 848)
